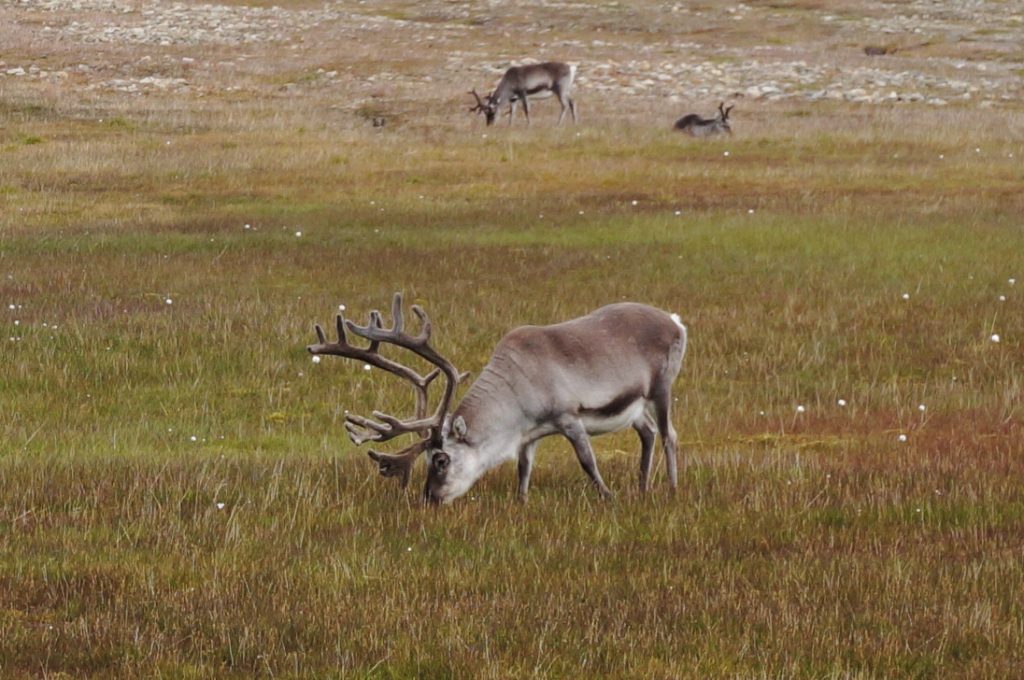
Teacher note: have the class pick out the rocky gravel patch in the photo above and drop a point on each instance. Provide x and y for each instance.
(834, 68)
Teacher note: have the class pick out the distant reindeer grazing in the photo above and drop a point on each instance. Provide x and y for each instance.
(695, 126)
(533, 80)
(602, 372)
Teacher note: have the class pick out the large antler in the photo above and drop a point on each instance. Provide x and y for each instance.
(362, 429)
(480, 106)
(418, 345)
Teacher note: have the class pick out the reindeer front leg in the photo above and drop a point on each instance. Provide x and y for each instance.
(526, 455)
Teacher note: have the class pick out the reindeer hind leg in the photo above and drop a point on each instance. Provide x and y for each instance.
(662, 413)
(646, 430)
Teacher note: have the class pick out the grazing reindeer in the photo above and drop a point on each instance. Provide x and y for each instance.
(602, 372)
(521, 82)
(695, 126)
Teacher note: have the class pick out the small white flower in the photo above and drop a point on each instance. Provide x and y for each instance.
(194, 438)
(298, 234)
(366, 367)
(906, 296)
(800, 408)
(168, 301)
(750, 211)
(484, 136)
(17, 322)
(636, 202)
(581, 212)
(917, 510)
(248, 226)
(902, 438)
(725, 153)
(10, 306)
(942, 155)
(316, 359)
(841, 402)
(341, 308)
(220, 505)
(995, 337)
(761, 412)
(1011, 281)
(678, 213)
(409, 549)
(1002, 298)
(977, 149)
(922, 408)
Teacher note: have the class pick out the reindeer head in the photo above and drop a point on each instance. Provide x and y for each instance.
(723, 117)
(486, 106)
(453, 463)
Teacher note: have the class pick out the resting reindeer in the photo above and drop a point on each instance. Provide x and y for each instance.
(521, 82)
(695, 126)
(602, 372)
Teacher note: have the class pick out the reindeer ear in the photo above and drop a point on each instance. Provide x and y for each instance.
(459, 428)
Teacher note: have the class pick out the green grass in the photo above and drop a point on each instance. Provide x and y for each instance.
(810, 544)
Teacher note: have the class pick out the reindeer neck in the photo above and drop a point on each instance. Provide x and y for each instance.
(494, 420)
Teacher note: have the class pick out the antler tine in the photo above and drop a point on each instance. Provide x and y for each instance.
(375, 320)
(397, 318)
(479, 102)
(398, 464)
(426, 328)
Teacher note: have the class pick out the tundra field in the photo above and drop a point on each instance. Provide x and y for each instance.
(185, 189)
